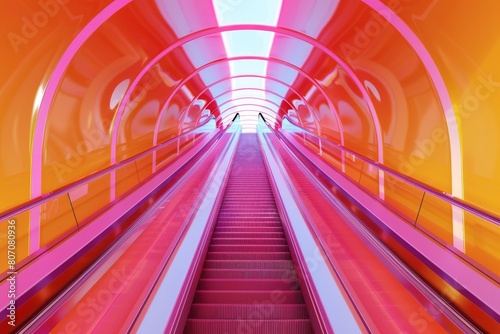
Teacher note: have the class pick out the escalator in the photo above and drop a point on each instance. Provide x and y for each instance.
(248, 283)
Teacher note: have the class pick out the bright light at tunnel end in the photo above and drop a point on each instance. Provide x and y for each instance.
(248, 43)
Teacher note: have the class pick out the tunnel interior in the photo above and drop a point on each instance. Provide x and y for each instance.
(399, 96)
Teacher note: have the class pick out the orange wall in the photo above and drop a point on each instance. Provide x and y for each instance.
(368, 68)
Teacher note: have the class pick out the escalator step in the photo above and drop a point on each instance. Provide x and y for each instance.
(247, 284)
(298, 326)
(248, 256)
(245, 217)
(252, 241)
(247, 209)
(248, 206)
(249, 234)
(277, 264)
(248, 248)
(245, 229)
(248, 297)
(249, 223)
(254, 311)
(248, 274)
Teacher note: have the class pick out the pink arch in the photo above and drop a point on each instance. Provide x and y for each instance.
(248, 98)
(229, 116)
(249, 89)
(53, 84)
(222, 60)
(227, 102)
(97, 22)
(118, 4)
(271, 114)
(439, 84)
(336, 114)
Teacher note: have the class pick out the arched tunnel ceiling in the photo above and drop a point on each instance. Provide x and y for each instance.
(368, 75)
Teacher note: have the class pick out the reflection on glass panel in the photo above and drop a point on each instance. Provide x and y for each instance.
(436, 218)
(482, 242)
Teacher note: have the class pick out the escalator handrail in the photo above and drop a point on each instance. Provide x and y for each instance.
(367, 237)
(82, 248)
(72, 186)
(419, 185)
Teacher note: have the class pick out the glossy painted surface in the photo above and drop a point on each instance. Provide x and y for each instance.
(38, 280)
(425, 208)
(385, 303)
(388, 81)
(131, 272)
(470, 290)
(405, 84)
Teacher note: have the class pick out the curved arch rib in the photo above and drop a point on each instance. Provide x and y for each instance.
(288, 86)
(221, 60)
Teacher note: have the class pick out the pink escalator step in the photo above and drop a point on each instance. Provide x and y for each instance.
(297, 326)
(248, 223)
(277, 264)
(248, 284)
(250, 235)
(245, 214)
(248, 274)
(252, 241)
(248, 297)
(248, 229)
(245, 217)
(252, 311)
(247, 208)
(248, 256)
(248, 248)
